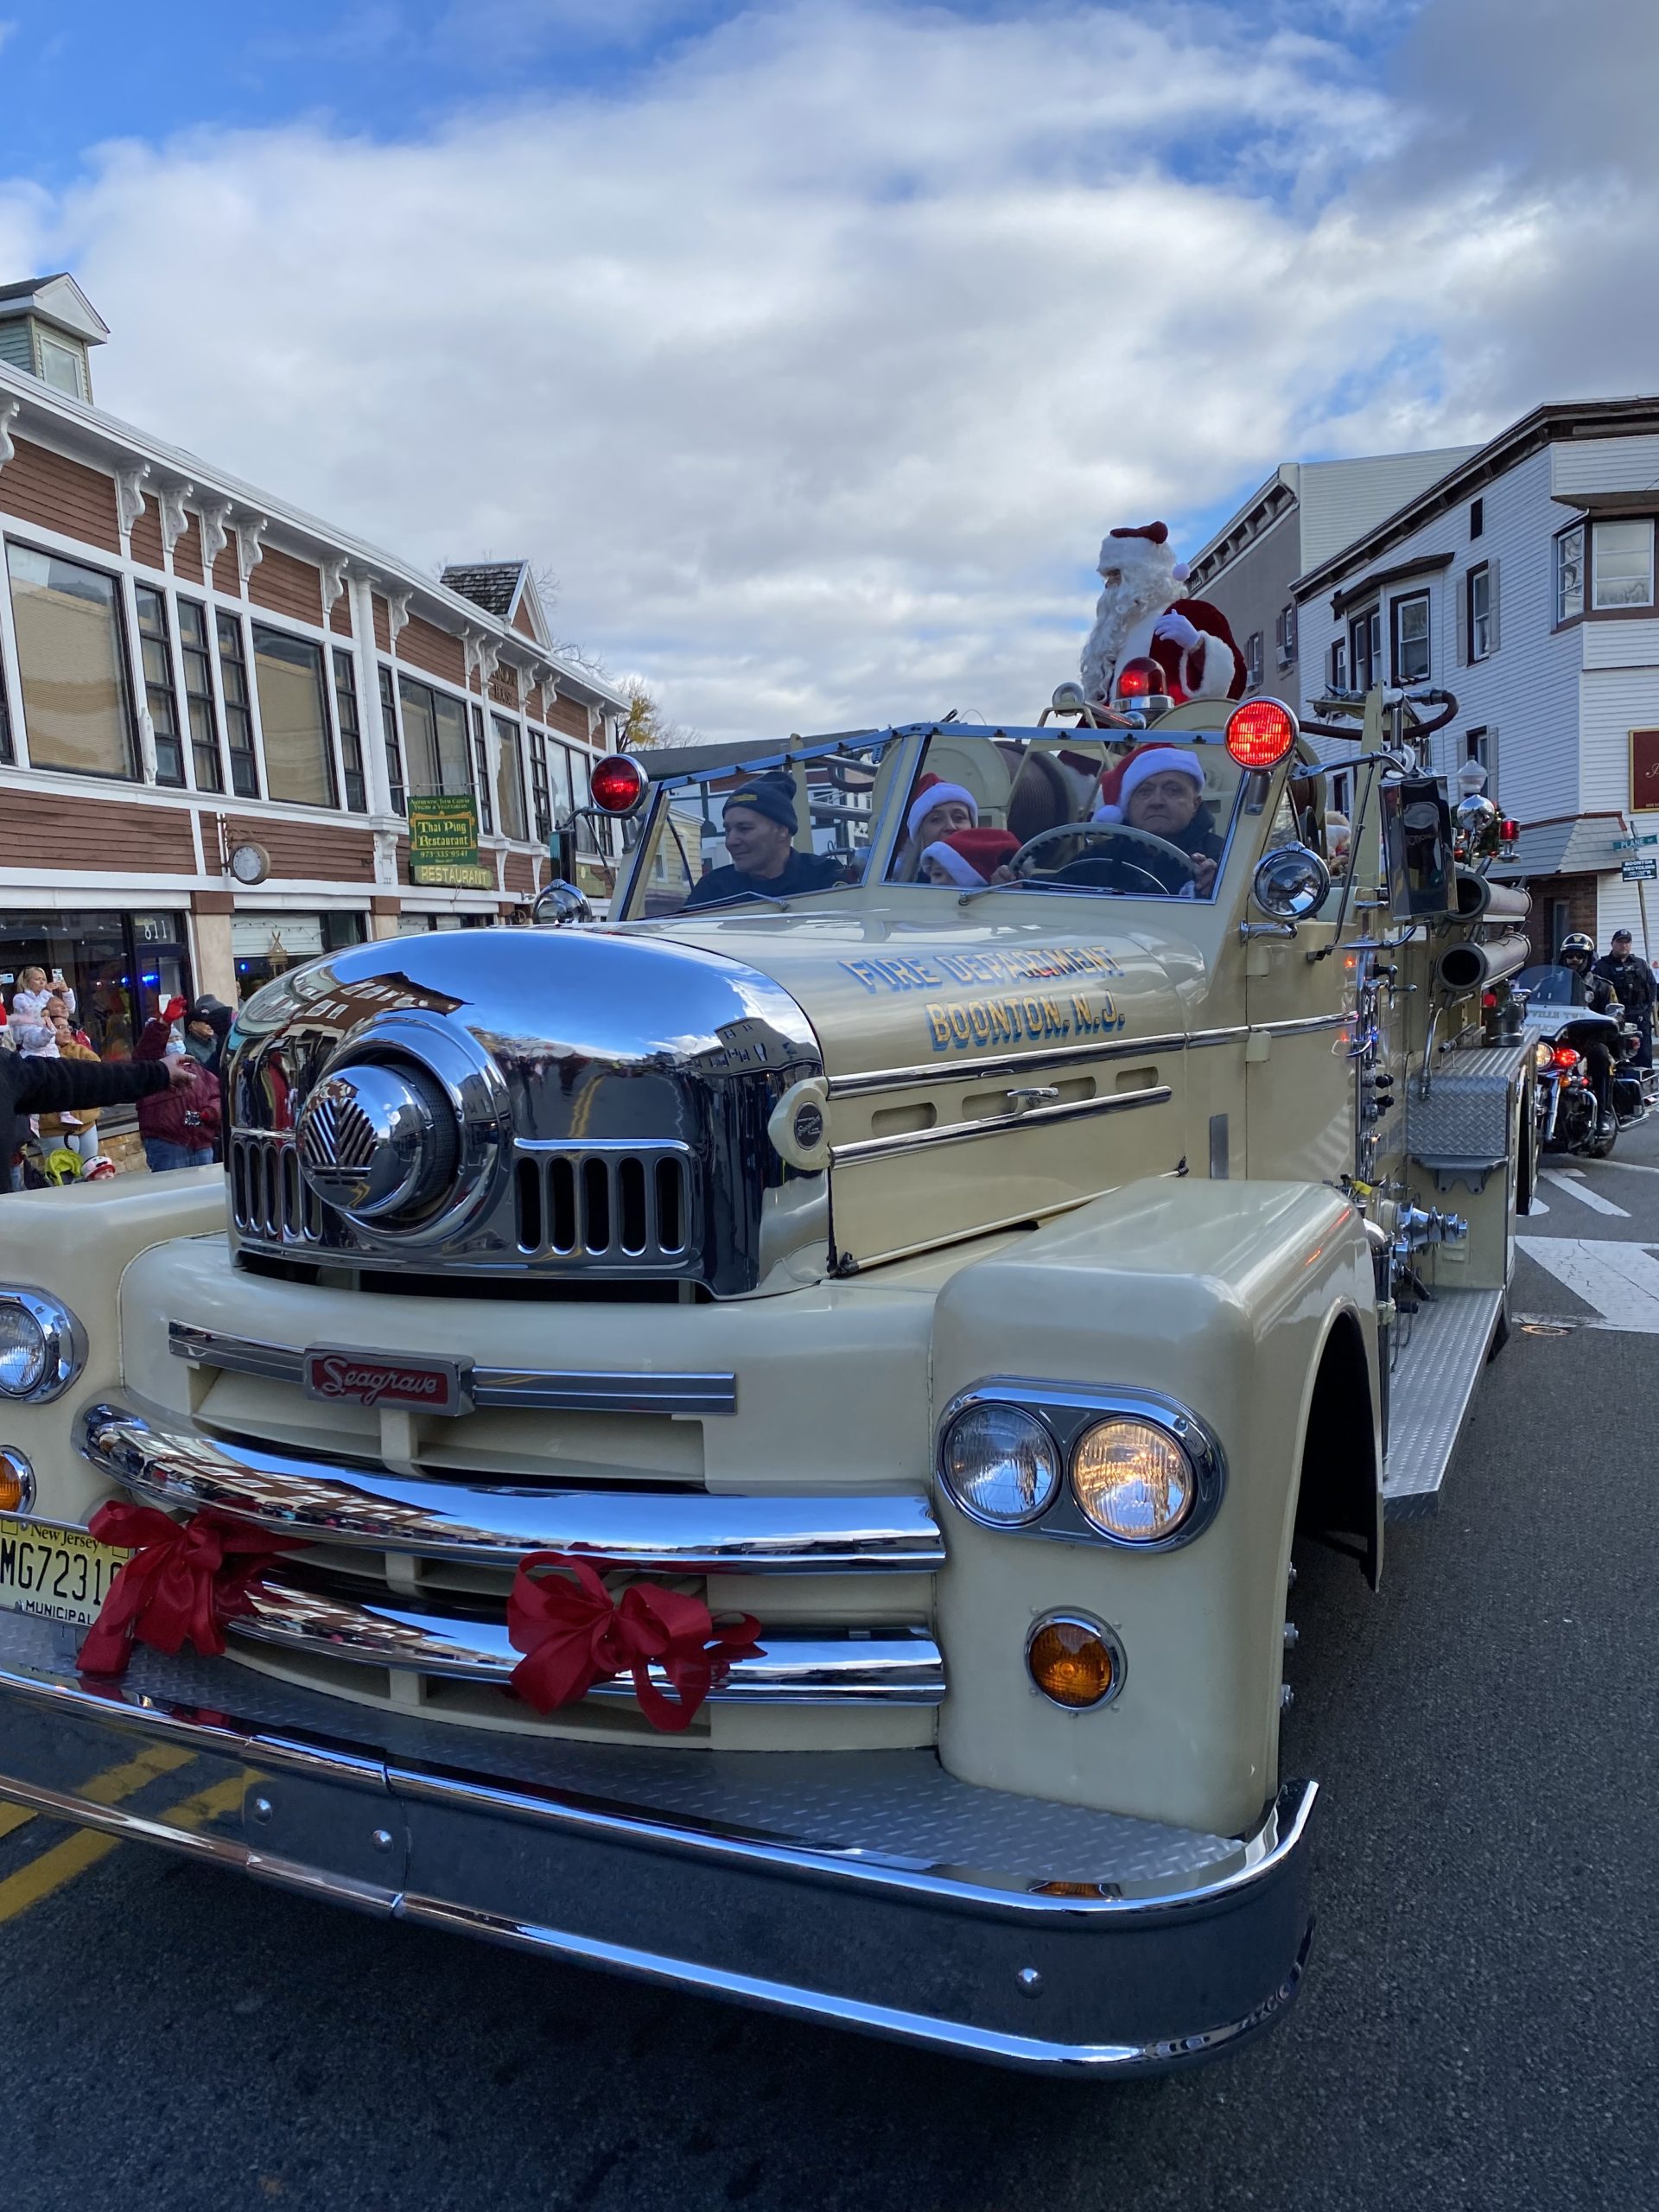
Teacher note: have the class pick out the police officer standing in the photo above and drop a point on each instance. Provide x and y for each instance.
(1634, 987)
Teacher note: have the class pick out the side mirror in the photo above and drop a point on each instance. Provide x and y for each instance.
(1290, 883)
(559, 905)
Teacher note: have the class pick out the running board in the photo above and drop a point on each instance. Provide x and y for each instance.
(1429, 1396)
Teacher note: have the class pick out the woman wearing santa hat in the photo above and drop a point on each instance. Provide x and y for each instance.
(971, 858)
(1158, 788)
(938, 808)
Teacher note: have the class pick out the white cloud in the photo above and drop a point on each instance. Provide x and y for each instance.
(815, 364)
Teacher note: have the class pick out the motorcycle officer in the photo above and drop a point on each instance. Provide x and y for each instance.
(1593, 990)
(1633, 986)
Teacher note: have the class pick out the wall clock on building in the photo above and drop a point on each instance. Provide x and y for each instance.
(250, 863)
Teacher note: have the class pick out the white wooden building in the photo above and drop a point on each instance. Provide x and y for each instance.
(1524, 580)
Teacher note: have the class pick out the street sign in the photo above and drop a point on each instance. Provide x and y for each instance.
(1633, 844)
(443, 843)
(1645, 871)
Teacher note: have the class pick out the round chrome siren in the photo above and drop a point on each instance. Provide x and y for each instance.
(376, 1140)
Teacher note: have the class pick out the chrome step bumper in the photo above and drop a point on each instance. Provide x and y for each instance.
(667, 1533)
(891, 1667)
(870, 1890)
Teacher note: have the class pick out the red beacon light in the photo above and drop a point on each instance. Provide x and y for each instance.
(1140, 679)
(618, 784)
(1260, 733)
(1563, 1055)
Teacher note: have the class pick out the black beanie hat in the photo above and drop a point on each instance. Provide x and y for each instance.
(773, 796)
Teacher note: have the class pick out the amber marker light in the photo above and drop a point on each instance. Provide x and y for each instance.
(1260, 732)
(16, 1482)
(1074, 1662)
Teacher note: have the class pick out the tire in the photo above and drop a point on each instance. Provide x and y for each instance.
(1527, 1138)
(1602, 1147)
(1501, 1332)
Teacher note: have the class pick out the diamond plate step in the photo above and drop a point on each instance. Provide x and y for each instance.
(1430, 1391)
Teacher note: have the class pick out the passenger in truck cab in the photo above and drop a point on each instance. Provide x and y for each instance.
(760, 823)
(971, 858)
(938, 808)
(1158, 788)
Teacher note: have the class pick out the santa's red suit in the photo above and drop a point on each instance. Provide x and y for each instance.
(1142, 613)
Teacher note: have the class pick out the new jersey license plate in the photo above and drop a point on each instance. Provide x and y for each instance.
(57, 1574)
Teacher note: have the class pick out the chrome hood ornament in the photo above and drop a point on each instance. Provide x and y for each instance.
(514, 1101)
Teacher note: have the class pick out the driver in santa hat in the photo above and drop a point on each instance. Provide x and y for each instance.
(1143, 614)
(1157, 788)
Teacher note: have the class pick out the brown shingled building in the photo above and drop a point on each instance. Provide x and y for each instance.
(215, 710)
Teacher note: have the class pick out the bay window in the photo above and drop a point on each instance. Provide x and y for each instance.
(72, 666)
(156, 652)
(434, 739)
(1569, 574)
(1622, 564)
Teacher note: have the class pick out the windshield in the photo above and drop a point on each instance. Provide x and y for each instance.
(1546, 986)
(741, 834)
(1065, 810)
(1069, 810)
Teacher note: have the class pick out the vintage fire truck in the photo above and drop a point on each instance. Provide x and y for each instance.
(958, 1299)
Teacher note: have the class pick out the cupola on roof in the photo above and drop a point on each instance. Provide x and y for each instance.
(58, 301)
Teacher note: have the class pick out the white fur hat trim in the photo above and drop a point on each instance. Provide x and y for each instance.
(958, 869)
(1154, 760)
(940, 794)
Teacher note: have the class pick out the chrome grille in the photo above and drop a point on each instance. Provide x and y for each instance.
(621, 1204)
(268, 1196)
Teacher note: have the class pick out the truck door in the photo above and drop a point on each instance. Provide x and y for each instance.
(1299, 1079)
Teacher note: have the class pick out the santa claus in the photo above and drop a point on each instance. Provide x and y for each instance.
(1143, 613)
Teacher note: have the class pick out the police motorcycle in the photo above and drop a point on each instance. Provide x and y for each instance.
(1566, 1031)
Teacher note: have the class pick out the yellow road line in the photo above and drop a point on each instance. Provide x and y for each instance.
(86, 1845)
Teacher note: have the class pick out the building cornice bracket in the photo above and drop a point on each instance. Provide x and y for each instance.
(396, 613)
(9, 410)
(249, 551)
(130, 495)
(334, 583)
(215, 531)
(174, 521)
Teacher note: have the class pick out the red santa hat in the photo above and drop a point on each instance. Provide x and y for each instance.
(933, 791)
(971, 857)
(1141, 547)
(1117, 785)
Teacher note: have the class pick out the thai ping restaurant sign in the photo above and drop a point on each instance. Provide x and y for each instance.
(443, 843)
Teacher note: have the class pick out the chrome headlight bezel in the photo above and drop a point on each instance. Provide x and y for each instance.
(1045, 1439)
(1068, 1413)
(63, 1340)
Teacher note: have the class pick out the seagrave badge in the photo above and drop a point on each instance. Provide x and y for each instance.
(346, 1377)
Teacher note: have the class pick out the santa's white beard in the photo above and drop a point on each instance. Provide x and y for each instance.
(1117, 611)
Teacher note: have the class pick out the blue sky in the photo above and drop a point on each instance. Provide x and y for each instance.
(812, 345)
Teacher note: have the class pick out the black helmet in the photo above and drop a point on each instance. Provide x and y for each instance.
(1576, 946)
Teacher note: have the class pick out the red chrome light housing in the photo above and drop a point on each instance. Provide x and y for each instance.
(1563, 1057)
(1508, 830)
(1140, 679)
(1260, 732)
(618, 784)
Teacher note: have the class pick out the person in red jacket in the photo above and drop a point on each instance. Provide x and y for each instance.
(179, 1127)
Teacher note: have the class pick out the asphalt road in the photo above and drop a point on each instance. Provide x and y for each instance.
(1477, 2028)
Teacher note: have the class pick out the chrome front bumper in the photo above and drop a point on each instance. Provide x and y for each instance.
(868, 1890)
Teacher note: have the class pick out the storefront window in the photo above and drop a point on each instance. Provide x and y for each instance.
(73, 664)
(293, 719)
(122, 968)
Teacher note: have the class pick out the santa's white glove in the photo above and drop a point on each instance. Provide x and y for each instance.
(1177, 630)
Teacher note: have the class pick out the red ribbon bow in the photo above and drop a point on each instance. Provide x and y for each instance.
(184, 1581)
(574, 1633)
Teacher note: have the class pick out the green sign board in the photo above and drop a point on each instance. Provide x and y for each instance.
(443, 843)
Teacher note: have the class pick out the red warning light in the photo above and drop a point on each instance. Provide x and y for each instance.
(1260, 732)
(1140, 679)
(618, 784)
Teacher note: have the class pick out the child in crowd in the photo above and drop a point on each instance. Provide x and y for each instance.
(34, 988)
(971, 858)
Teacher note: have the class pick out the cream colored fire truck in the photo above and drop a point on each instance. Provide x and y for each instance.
(979, 1287)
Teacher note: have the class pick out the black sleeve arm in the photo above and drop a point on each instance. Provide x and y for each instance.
(61, 1086)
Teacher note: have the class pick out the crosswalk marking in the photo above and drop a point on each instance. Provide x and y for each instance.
(1581, 1191)
(1620, 1280)
(85, 1846)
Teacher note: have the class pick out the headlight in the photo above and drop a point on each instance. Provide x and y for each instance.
(1541, 1056)
(43, 1345)
(1000, 1464)
(1132, 1480)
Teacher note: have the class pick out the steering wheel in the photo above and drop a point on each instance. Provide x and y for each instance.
(1092, 829)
